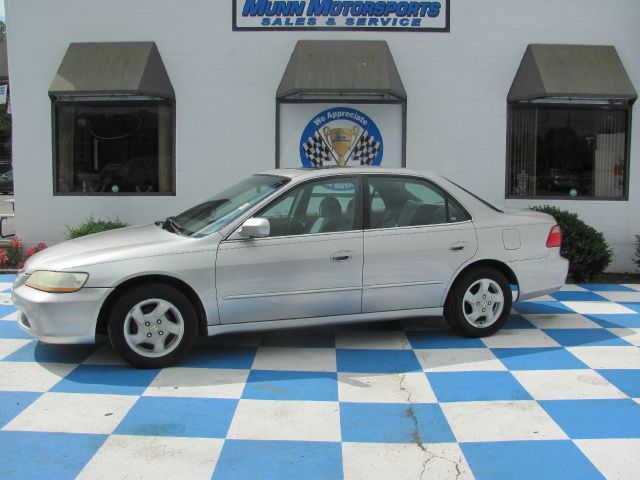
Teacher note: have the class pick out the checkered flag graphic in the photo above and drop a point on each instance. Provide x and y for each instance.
(366, 149)
(317, 150)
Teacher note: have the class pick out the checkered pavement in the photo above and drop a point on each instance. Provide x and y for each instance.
(553, 395)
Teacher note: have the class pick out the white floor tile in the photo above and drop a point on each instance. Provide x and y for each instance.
(5, 298)
(621, 296)
(401, 461)
(572, 320)
(286, 420)
(8, 346)
(572, 287)
(543, 298)
(73, 413)
(458, 360)
(5, 285)
(153, 458)
(631, 335)
(500, 421)
(198, 382)
(608, 357)
(594, 308)
(519, 338)
(566, 385)
(105, 355)
(372, 339)
(385, 388)
(617, 459)
(299, 359)
(634, 286)
(32, 376)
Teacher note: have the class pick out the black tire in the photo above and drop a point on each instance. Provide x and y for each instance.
(457, 310)
(180, 316)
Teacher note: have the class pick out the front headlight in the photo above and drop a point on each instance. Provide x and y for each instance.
(57, 282)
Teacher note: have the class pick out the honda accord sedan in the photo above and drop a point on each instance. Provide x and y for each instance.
(293, 248)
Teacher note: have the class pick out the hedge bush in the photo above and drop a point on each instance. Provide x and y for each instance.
(586, 249)
(91, 225)
(637, 256)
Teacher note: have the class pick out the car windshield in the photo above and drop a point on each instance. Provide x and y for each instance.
(218, 210)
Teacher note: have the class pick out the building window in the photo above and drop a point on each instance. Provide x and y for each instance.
(114, 147)
(567, 151)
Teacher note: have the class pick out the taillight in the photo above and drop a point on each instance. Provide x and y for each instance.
(555, 237)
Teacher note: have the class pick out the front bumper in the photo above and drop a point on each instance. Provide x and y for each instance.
(539, 277)
(59, 317)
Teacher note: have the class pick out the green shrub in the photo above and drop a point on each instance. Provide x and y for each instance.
(91, 225)
(586, 249)
(637, 256)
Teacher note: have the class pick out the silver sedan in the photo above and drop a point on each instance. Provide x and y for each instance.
(292, 248)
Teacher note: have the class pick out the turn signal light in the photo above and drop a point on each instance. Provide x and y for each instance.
(555, 237)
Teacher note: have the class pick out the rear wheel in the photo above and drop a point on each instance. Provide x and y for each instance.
(479, 302)
(152, 326)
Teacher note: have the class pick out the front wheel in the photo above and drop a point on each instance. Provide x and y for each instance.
(152, 326)
(479, 302)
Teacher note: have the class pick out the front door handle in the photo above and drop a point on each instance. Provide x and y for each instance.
(342, 256)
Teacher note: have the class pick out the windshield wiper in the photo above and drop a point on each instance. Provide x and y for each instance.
(171, 225)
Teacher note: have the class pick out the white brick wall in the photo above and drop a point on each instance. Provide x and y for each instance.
(225, 85)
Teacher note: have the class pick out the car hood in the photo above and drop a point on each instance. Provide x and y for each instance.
(115, 245)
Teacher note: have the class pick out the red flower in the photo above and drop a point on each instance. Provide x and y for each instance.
(40, 246)
(20, 265)
(31, 251)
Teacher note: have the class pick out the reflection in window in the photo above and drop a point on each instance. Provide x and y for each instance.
(114, 148)
(556, 151)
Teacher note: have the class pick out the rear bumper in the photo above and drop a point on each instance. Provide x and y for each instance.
(59, 317)
(540, 276)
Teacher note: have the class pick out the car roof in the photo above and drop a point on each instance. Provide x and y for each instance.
(303, 173)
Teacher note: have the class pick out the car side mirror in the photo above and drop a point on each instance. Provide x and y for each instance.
(255, 227)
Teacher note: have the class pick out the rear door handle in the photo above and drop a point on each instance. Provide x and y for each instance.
(457, 246)
(342, 256)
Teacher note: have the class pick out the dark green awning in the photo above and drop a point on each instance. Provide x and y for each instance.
(331, 67)
(112, 69)
(576, 72)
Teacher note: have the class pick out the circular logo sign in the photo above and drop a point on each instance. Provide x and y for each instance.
(341, 136)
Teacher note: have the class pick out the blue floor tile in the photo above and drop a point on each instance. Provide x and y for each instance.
(394, 423)
(606, 287)
(12, 403)
(616, 320)
(7, 277)
(589, 337)
(438, 339)
(282, 385)
(627, 381)
(635, 306)
(106, 379)
(39, 455)
(47, 353)
(518, 322)
(476, 386)
(300, 339)
(179, 417)
(6, 310)
(215, 356)
(377, 361)
(595, 418)
(578, 297)
(10, 329)
(541, 308)
(547, 358)
(528, 460)
(266, 460)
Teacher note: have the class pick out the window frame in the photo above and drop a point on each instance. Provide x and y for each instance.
(358, 220)
(445, 194)
(569, 106)
(110, 102)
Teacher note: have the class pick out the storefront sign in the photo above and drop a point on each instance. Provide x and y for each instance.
(341, 136)
(341, 15)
